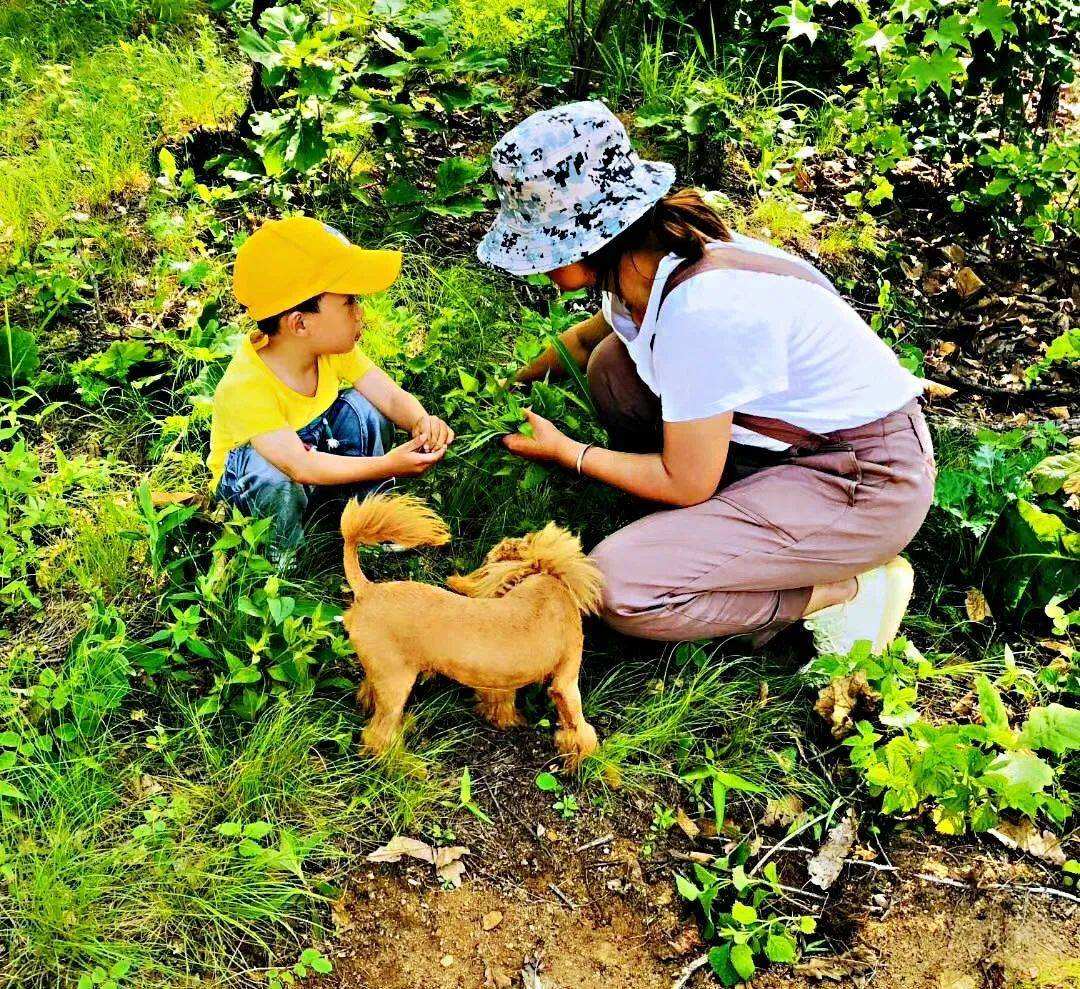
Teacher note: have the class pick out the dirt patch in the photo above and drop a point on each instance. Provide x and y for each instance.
(404, 937)
(603, 917)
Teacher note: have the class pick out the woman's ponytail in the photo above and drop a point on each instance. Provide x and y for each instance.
(681, 223)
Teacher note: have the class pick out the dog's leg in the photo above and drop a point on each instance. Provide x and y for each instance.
(576, 738)
(499, 707)
(391, 685)
(365, 696)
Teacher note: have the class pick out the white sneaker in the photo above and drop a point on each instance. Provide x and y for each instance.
(873, 614)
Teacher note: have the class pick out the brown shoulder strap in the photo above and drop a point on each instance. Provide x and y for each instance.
(741, 259)
(737, 258)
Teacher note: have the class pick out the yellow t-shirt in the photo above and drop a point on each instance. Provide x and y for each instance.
(251, 400)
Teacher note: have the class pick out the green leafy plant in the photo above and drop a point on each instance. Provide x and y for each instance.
(742, 912)
(454, 193)
(964, 775)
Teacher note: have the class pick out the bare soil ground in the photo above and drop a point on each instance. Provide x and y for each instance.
(619, 925)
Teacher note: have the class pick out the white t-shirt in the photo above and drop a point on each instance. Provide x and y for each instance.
(762, 344)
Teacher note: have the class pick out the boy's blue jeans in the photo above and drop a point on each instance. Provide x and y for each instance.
(351, 427)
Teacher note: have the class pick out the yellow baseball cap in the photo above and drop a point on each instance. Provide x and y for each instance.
(288, 261)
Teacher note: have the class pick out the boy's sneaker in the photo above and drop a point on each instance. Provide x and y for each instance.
(873, 614)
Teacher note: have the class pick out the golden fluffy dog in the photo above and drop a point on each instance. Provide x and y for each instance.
(514, 621)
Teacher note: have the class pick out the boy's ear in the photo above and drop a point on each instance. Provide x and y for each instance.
(293, 322)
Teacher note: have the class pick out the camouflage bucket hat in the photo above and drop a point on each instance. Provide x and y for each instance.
(568, 182)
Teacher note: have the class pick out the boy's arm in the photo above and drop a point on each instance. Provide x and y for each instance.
(404, 410)
(287, 452)
(580, 341)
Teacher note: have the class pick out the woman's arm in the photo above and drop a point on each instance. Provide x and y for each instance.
(686, 472)
(580, 341)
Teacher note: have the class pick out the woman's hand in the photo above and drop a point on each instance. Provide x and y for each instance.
(546, 444)
(435, 434)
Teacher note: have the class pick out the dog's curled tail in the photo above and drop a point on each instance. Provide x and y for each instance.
(553, 551)
(400, 519)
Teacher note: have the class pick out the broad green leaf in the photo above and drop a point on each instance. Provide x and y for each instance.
(1048, 528)
(11, 792)
(951, 32)
(466, 206)
(454, 175)
(1055, 728)
(941, 68)
(548, 783)
(781, 948)
(796, 18)
(742, 960)
(720, 960)
(469, 384)
(1051, 475)
(994, 17)
(743, 913)
(687, 890)
(994, 713)
(399, 192)
(1018, 775)
(18, 356)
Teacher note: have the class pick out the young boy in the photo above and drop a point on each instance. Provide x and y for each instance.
(301, 411)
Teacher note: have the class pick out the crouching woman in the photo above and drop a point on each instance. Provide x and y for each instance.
(737, 388)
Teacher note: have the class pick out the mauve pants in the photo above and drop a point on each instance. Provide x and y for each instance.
(746, 560)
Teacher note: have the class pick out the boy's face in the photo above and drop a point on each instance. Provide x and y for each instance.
(336, 327)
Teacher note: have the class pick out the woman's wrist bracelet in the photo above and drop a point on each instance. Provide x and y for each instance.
(581, 456)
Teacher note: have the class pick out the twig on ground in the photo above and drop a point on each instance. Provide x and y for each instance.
(562, 896)
(791, 837)
(594, 843)
(957, 884)
(689, 969)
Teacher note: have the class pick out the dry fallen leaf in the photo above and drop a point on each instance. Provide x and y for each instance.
(447, 861)
(913, 271)
(1059, 412)
(825, 867)
(1054, 645)
(688, 827)
(688, 939)
(161, 498)
(967, 283)
(399, 846)
(841, 968)
(530, 974)
(1027, 838)
(978, 609)
(946, 347)
(839, 699)
(954, 252)
(491, 920)
(935, 389)
(782, 811)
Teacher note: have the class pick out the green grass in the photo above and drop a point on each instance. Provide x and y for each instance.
(86, 131)
(700, 707)
(118, 854)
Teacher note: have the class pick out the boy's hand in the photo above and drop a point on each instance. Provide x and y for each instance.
(435, 434)
(409, 460)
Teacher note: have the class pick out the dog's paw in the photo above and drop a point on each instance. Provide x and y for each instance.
(576, 744)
